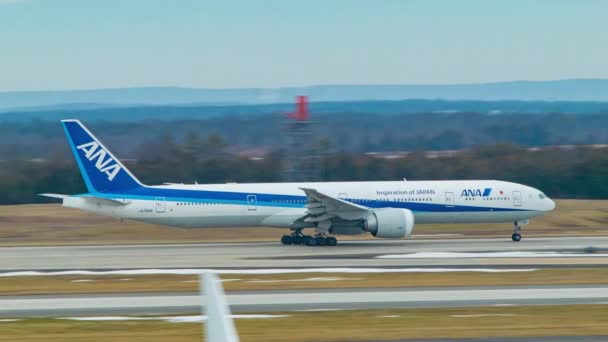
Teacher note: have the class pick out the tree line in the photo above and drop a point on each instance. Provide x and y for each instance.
(578, 172)
(347, 132)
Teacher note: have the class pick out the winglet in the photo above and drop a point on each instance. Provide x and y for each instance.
(219, 326)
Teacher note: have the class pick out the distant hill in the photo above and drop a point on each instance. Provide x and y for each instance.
(561, 90)
(319, 110)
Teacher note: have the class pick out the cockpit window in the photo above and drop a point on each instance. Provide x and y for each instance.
(542, 196)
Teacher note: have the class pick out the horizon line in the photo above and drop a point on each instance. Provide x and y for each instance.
(306, 86)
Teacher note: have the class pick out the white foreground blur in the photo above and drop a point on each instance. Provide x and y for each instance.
(219, 326)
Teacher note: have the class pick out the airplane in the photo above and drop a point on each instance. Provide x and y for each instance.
(384, 209)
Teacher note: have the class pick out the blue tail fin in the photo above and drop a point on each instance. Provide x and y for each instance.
(102, 172)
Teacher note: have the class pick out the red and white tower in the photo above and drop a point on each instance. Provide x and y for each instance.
(301, 162)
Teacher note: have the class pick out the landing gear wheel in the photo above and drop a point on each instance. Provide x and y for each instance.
(516, 237)
(297, 239)
(310, 241)
(331, 241)
(321, 240)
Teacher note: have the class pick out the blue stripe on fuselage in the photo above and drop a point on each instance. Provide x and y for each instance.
(274, 200)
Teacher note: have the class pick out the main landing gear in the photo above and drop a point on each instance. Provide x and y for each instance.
(297, 238)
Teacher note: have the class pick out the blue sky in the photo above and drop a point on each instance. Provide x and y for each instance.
(83, 44)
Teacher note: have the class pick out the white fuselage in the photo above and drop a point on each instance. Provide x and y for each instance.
(280, 204)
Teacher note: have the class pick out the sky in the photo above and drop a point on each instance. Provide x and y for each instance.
(88, 44)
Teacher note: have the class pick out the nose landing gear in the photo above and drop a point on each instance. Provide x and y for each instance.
(516, 237)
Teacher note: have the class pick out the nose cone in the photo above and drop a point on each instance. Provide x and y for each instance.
(550, 204)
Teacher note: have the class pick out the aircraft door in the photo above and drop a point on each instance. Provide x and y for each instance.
(252, 203)
(449, 199)
(516, 198)
(161, 205)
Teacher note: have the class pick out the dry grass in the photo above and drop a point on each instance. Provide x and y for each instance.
(570, 218)
(354, 325)
(51, 224)
(176, 283)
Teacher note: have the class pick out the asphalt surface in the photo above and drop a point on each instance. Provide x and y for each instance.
(261, 301)
(588, 252)
(275, 255)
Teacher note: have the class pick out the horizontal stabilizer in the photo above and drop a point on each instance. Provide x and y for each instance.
(59, 196)
(107, 201)
(89, 197)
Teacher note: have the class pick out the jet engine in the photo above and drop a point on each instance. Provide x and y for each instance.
(390, 223)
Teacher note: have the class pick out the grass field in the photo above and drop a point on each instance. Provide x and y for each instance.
(51, 224)
(234, 282)
(350, 325)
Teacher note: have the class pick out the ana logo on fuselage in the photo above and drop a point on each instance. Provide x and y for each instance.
(92, 151)
(476, 192)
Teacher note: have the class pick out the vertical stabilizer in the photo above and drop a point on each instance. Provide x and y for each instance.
(100, 169)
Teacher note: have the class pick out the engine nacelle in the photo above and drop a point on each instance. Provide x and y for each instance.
(390, 223)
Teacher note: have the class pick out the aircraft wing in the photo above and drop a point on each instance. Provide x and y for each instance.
(322, 207)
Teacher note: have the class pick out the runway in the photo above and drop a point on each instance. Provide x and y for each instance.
(292, 300)
(445, 254)
(275, 255)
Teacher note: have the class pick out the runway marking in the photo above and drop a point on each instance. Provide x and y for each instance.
(222, 280)
(315, 279)
(467, 255)
(322, 310)
(483, 315)
(94, 280)
(432, 235)
(194, 271)
(169, 319)
(8, 320)
(109, 318)
(272, 302)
